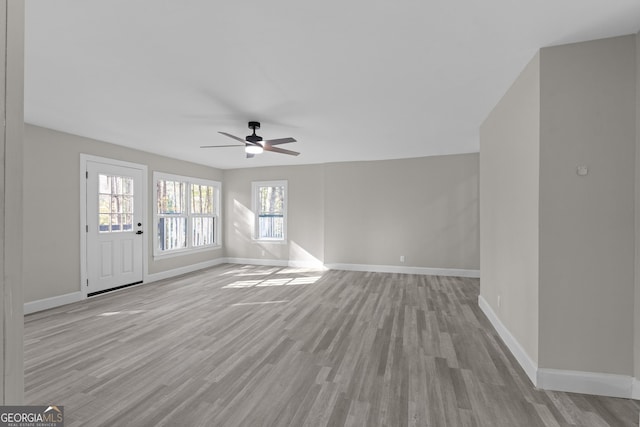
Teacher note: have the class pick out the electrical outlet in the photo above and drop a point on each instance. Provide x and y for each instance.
(401, 258)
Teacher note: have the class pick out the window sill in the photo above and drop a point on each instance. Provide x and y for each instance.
(272, 241)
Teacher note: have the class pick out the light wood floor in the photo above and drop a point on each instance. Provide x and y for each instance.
(261, 346)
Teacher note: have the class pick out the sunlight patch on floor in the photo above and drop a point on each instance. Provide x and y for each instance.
(115, 313)
(284, 281)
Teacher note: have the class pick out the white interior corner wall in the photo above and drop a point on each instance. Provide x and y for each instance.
(587, 104)
(11, 209)
(583, 211)
(509, 191)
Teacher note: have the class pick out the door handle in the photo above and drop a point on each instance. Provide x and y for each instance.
(139, 232)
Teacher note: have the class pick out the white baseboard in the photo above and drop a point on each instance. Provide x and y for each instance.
(357, 267)
(586, 382)
(53, 302)
(276, 262)
(635, 389)
(150, 278)
(530, 367)
(596, 383)
(405, 270)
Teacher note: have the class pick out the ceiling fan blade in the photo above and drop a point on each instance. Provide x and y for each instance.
(279, 141)
(249, 155)
(234, 137)
(280, 150)
(219, 146)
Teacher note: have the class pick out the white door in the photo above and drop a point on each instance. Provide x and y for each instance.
(114, 227)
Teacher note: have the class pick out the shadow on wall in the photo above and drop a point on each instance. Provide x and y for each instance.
(243, 230)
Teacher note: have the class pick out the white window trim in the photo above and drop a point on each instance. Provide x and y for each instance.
(217, 244)
(255, 204)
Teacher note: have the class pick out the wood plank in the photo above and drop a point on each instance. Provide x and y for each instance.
(239, 345)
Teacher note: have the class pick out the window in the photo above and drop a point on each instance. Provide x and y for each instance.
(115, 203)
(187, 214)
(270, 209)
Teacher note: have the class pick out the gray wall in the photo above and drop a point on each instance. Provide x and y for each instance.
(52, 208)
(429, 213)
(586, 239)
(585, 108)
(305, 228)
(12, 113)
(366, 213)
(637, 218)
(425, 209)
(509, 188)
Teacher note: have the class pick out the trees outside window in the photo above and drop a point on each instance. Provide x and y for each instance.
(270, 209)
(187, 214)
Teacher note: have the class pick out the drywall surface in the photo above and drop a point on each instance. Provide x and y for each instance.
(305, 214)
(509, 189)
(52, 208)
(425, 209)
(11, 207)
(636, 322)
(587, 119)
(366, 213)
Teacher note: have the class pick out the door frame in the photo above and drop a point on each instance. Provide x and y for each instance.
(84, 158)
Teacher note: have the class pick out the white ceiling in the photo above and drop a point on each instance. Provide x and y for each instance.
(350, 80)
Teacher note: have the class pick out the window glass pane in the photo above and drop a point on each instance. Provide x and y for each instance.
(202, 231)
(119, 181)
(184, 212)
(104, 184)
(104, 204)
(103, 222)
(127, 204)
(271, 200)
(271, 212)
(115, 223)
(128, 186)
(116, 205)
(112, 203)
(127, 222)
(172, 233)
(270, 226)
(171, 197)
(201, 199)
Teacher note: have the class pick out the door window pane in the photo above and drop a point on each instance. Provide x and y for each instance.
(115, 203)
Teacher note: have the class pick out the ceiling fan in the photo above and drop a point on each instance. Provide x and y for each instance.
(254, 144)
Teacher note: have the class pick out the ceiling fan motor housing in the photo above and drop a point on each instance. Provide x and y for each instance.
(254, 138)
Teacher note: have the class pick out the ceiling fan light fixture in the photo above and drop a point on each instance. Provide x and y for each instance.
(253, 149)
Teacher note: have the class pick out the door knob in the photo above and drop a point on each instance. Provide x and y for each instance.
(139, 232)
